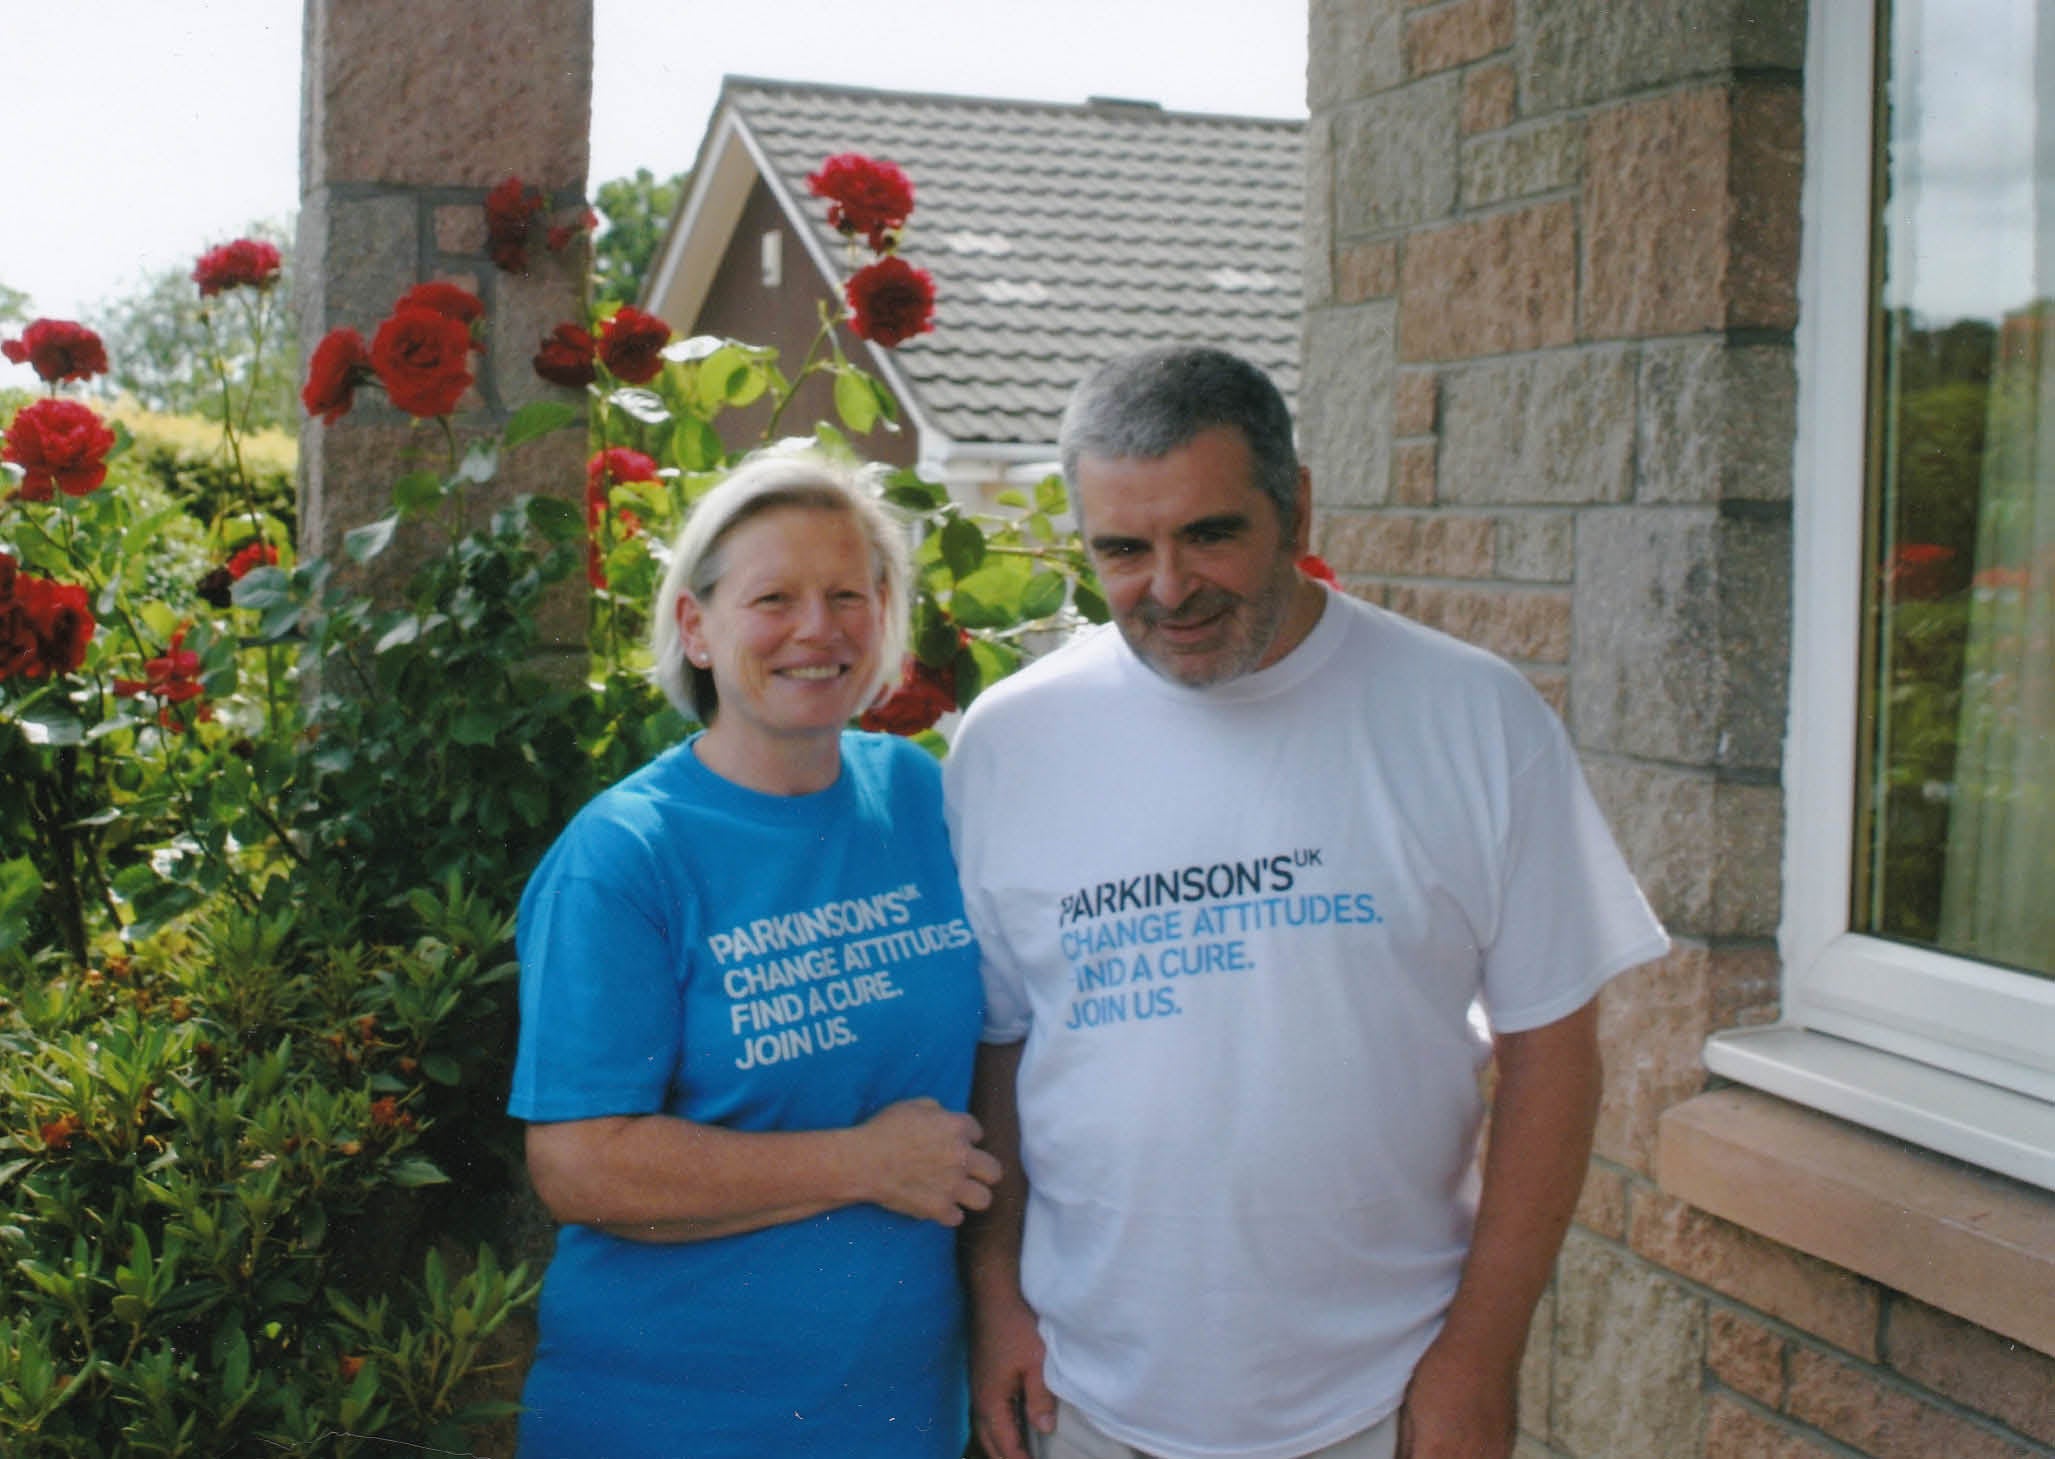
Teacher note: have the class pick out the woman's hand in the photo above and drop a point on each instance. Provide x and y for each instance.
(922, 1160)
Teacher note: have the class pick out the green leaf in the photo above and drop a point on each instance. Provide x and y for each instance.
(556, 519)
(910, 490)
(260, 587)
(1050, 496)
(442, 1069)
(361, 544)
(1088, 602)
(539, 418)
(480, 463)
(963, 547)
(1042, 596)
(416, 1171)
(638, 404)
(475, 726)
(1013, 496)
(51, 723)
(855, 402)
(417, 492)
(685, 351)
(403, 632)
(695, 445)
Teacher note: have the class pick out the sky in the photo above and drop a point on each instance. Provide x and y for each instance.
(141, 132)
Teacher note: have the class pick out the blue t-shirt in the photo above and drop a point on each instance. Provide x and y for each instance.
(695, 948)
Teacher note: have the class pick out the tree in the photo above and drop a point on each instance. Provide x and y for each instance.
(637, 210)
(14, 307)
(159, 346)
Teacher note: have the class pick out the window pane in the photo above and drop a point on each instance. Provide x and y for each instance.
(1957, 838)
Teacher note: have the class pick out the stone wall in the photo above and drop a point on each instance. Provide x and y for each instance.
(1548, 402)
(400, 141)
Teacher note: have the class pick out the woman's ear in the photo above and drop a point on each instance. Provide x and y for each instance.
(691, 621)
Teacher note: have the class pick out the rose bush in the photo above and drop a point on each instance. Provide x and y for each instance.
(255, 806)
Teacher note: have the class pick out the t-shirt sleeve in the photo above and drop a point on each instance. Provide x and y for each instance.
(1571, 915)
(1006, 1003)
(601, 1006)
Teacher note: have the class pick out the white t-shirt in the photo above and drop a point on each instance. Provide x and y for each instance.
(1241, 930)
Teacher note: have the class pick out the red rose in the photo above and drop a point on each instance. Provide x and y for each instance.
(924, 695)
(341, 363)
(44, 628)
(509, 209)
(629, 344)
(58, 349)
(615, 463)
(865, 195)
(448, 300)
(1314, 566)
(60, 444)
(423, 360)
(595, 564)
(245, 263)
(8, 568)
(560, 235)
(255, 555)
(171, 678)
(891, 301)
(566, 357)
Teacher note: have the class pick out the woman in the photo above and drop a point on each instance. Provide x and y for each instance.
(749, 1004)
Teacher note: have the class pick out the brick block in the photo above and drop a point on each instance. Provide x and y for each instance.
(1602, 1203)
(1766, 166)
(1413, 403)
(1413, 474)
(1975, 1367)
(1344, 427)
(1554, 690)
(1537, 547)
(1353, 51)
(1490, 98)
(357, 255)
(1365, 271)
(1553, 429)
(1648, 679)
(1665, 820)
(1809, 1294)
(460, 229)
(1456, 34)
(1392, 544)
(526, 308)
(1627, 1357)
(1656, 217)
(1651, 1029)
(1883, 1420)
(1746, 1356)
(1576, 52)
(480, 89)
(1716, 422)
(1734, 1431)
(1514, 623)
(1395, 158)
(1508, 165)
(1497, 285)
(1537, 1368)
(1317, 271)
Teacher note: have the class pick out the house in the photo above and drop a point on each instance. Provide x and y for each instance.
(1588, 338)
(1057, 235)
(1676, 351)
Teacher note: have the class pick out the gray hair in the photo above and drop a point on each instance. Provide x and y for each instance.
(1146, 405)
(765, 482)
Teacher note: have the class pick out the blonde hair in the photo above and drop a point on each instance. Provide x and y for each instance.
(762, 483)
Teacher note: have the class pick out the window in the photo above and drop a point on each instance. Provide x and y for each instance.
(1919, 923)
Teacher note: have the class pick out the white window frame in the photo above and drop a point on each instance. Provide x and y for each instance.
(1951, 1054)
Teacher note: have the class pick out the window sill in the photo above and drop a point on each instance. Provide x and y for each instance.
(1963, 1240)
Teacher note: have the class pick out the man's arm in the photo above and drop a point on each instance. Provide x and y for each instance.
(1005, 1349)
(1460, 1403)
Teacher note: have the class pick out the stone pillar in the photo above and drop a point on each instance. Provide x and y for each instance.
(410, 114)
(1547, 399)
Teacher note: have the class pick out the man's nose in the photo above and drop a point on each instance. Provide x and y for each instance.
(1170, 577)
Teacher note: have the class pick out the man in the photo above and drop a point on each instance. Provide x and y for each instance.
(1241, 872)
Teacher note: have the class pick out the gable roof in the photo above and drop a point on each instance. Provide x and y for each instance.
(1059, 236)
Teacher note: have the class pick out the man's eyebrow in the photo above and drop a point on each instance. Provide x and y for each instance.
(1217, 524)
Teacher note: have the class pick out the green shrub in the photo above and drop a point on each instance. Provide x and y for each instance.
(223, 1239)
